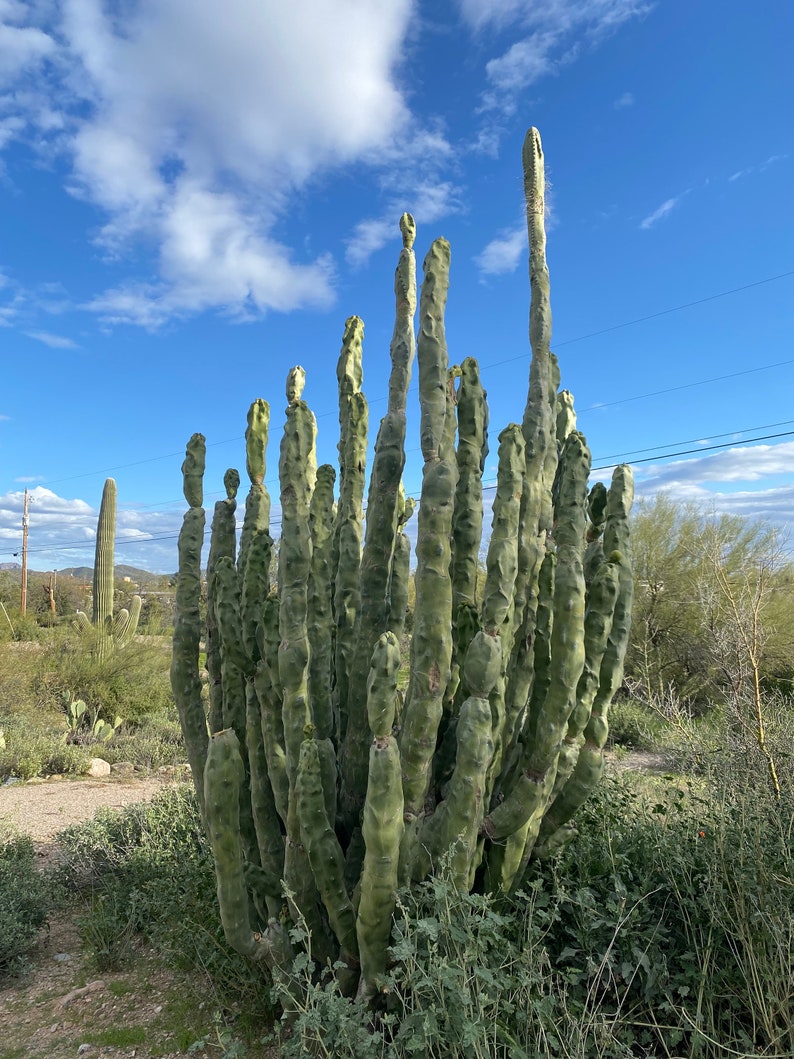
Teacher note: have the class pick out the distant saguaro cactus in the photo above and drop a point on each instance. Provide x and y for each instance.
(110, 631)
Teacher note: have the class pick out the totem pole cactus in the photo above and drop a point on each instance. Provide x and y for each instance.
(322, 788)
(111, 630)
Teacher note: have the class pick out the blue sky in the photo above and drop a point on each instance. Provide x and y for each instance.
(194, 197)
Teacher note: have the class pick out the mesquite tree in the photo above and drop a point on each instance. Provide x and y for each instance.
(322, 788)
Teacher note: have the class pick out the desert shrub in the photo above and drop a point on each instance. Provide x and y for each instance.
(668, 917)
(23, 903)
(146, 872)
(634, 726)
(153, 742)
(132, 683)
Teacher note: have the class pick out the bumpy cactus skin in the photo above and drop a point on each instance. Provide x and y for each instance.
(329, 781)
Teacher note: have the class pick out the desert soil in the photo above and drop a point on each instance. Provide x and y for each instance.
(63, 1007)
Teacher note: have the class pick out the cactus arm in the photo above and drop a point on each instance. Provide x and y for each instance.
(381, 539)
(353, 422)
(472, 410)
(185, 682)
(400, 575)
(222, 779)
(222, 542)
(257, 503)
(382, 822)
(323, 850)
(455, 824)
(431, 647)
(320, 603)
(265, 819)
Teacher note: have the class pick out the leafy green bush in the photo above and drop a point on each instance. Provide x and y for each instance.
(147, 871)
(30, 751)
(632, 725)
(668, 917)
(132, 683)
(23, 903)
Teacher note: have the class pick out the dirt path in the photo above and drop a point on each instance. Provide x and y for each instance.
(63, 1007)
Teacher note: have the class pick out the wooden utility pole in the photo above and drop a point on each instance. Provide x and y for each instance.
(24, 600)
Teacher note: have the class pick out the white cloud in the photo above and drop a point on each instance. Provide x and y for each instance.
(22, 47)
(626, 100)
(503, 253)
(62, 531)
(760, 168)
(722, 482)
(192, 129)
(660, 212)
(53, 341)
(428, 201)
(748, 463)
(553, 35)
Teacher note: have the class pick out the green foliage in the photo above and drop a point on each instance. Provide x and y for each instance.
(146, 871)
(23, 903)
(633, 725)
(682, 630)
(132, 683)
(34, 750)
(667, 917)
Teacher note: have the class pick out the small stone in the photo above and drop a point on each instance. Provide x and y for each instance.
(62, 957)
(83, 1049)
(123, 768)
(158, 1009)
(97, 767)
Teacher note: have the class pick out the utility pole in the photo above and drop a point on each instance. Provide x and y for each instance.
(24, 601)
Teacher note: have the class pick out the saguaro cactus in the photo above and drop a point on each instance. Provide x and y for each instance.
(328, 784)
(111, 630)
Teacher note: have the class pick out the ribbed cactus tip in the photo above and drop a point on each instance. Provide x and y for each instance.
(296, 380)
(408, 229)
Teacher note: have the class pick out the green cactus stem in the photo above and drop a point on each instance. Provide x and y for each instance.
(324, 852)
(382, 823)
(431, 647)
(185, 680)
(385, 508)
(222, 778)
(320, 603)
(348, 531)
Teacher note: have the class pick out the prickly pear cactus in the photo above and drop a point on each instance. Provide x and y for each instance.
(324, 786)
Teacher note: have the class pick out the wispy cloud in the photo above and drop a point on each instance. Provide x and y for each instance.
(760, 168)
(547, 37)
(503, 253)
(626, 100)
(30, 478)
(53, 341)
(427, 204)
(661, 211)
(726, 482)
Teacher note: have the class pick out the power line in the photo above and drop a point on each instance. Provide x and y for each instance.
(526, 356)
(487, 484)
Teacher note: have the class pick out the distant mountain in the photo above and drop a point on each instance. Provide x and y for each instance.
(12, 567)
(134, 573)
